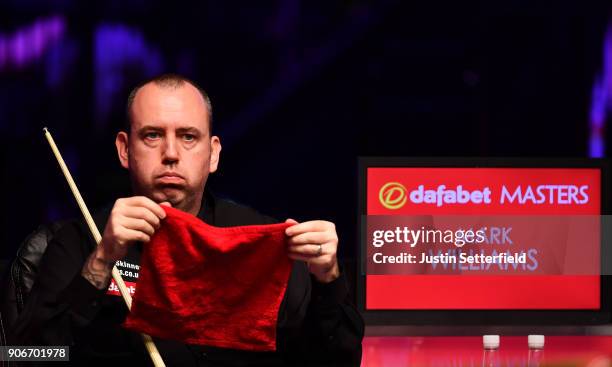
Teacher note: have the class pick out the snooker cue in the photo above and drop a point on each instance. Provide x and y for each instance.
(125, 293)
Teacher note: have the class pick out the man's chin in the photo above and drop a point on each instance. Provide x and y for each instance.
(178, 197)
(173, 195)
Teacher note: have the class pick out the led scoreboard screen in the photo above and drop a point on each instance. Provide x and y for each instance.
(492, 236)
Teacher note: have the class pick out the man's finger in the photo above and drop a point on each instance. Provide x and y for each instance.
(290, 221)
(166, 203)
(310, 237)
(299, 257)
(133, 235)
(311, 260)
(309, 250)
(150, 204)
(138, 225)
(310, 226)
(142, 213)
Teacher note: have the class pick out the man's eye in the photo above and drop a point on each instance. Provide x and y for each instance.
(189, 137)
(152, 135)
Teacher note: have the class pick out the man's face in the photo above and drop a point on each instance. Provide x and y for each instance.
(169, 151)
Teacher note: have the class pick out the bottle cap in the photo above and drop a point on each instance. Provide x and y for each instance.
(535, 341)
(490, 341)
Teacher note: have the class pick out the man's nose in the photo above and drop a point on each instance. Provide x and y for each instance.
(170, 152)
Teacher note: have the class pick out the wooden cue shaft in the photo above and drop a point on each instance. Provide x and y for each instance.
(125, 293)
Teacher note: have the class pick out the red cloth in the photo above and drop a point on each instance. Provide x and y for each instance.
(213, 286)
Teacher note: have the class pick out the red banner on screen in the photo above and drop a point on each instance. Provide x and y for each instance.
(492, 191)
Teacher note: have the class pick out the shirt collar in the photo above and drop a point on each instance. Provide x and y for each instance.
(207, 208)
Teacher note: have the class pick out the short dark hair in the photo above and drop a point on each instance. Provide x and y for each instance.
(167, 81)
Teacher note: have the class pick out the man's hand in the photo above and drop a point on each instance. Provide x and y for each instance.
(131, 220)
(316, 243)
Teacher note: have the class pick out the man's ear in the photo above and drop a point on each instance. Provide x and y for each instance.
(121, 142)
(215, 153)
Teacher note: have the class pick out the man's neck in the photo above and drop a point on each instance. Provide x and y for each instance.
(195, 210)
(191, 207)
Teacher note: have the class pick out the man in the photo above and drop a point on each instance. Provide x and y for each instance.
(169, 151)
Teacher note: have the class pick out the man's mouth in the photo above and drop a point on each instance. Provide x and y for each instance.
(170, 178)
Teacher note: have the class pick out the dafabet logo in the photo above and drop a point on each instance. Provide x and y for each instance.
(393, 195)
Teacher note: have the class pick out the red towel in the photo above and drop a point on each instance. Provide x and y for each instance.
(213, 286)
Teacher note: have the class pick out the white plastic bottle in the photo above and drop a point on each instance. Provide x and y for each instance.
(536, 350)
(490, 356)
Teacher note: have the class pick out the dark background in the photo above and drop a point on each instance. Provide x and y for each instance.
(299, 89)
